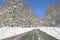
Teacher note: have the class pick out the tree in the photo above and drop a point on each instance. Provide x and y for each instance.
(53, 15)
(18, 13)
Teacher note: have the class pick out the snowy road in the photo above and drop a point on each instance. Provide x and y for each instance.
(8, 31)
(53, 31)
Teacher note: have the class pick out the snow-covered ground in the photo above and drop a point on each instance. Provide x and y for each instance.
(53, 31)
(9, 31)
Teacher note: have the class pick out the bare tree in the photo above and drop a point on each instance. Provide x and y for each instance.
(18, 13)
(53, 15)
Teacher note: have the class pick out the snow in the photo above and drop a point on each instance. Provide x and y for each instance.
(53, 31)
(14, 6)
(0, 12)
(8, 31)
(12, 31)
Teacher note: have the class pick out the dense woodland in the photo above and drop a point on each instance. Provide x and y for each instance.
(16, 13)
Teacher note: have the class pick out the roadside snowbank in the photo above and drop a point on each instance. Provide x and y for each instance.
(53, 31)
(9, 31)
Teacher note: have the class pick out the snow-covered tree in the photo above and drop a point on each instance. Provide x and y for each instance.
(52, 16)
(18, 13)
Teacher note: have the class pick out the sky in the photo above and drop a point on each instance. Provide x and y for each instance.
(1, 2)
(39, 6)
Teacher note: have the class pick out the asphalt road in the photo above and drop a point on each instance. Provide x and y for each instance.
(35, 34)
